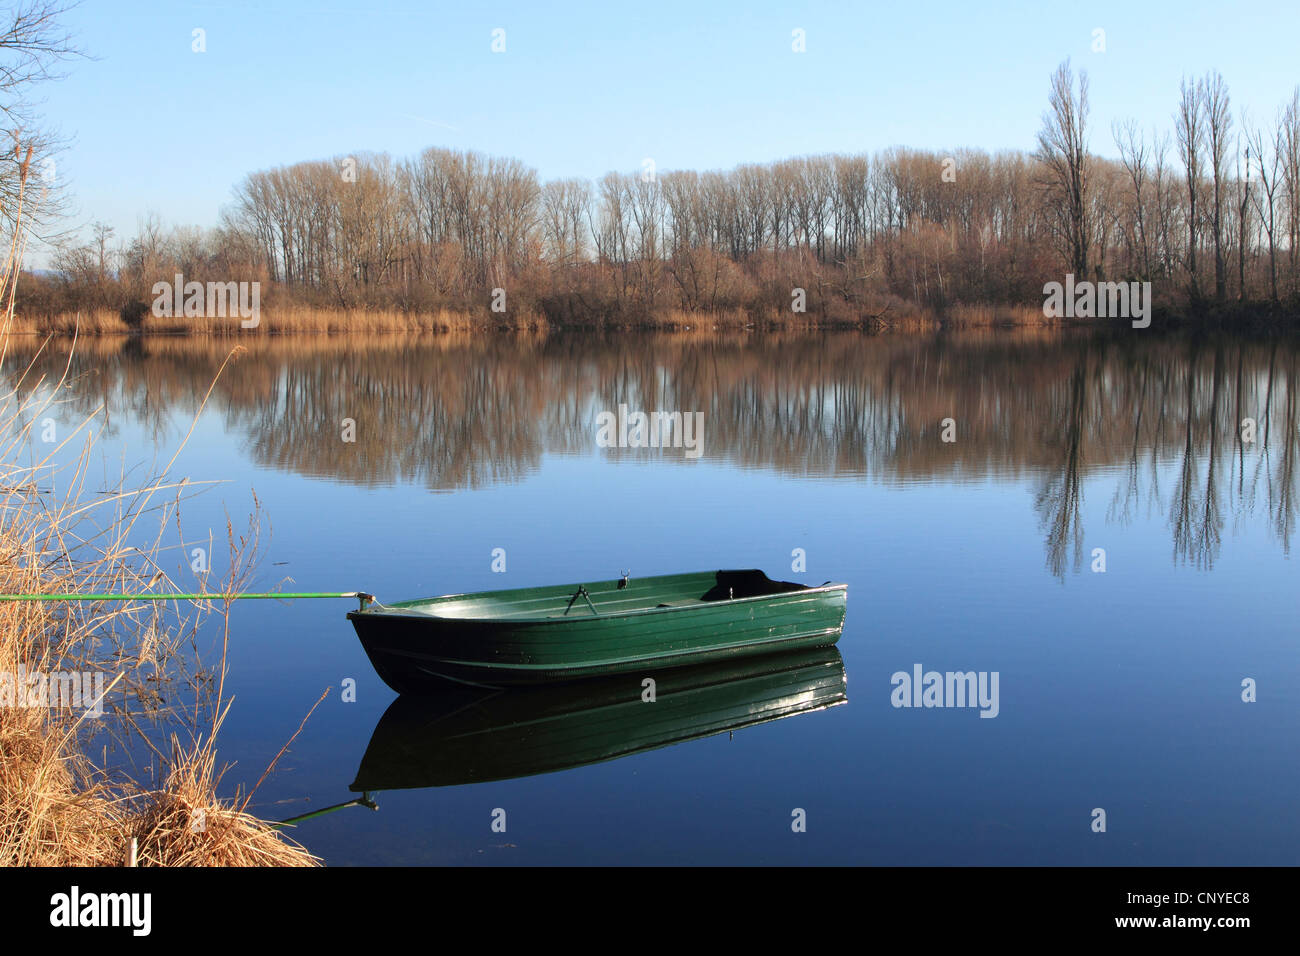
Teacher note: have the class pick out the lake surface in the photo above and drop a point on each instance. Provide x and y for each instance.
(823, 457)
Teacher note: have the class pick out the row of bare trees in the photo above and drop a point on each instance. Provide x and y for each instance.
(449, 220)
(1211, 210)
(1227, 200)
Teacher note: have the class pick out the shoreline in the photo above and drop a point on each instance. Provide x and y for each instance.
(1244, 317)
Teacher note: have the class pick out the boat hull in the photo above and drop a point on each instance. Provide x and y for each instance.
(414, 648)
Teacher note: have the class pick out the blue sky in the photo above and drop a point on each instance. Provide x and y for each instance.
(584, 88)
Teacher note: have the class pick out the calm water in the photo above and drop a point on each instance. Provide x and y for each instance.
(1119, 690)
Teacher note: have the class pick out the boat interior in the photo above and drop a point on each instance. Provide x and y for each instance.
(619, 596)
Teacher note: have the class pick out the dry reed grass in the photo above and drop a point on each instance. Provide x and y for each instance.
(56, 807)
(289, 320)
(989, 316)
(280, 321)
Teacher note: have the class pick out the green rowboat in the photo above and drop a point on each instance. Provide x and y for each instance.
(576, 631)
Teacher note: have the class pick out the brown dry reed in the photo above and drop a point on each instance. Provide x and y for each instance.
(292, 320)
(59, 535)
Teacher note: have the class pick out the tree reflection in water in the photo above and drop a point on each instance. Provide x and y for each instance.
(457, 411)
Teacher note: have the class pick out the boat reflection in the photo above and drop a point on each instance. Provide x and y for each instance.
(472, 736)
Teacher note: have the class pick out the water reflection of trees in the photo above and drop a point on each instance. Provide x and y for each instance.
(456, 412)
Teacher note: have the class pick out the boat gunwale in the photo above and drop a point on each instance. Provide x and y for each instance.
(396, 610)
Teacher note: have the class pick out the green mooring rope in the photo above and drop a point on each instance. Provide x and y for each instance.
(254, 596)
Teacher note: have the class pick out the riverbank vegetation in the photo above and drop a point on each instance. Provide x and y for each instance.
(58, 806)
(1207, 211)
(129, 677)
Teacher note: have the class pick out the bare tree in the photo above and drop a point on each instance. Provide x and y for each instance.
(33, 43)
(1243, 209)
(1289, 141)
(1266, 199)
(1161, 177)
(102, 233)
(1134, 156)
(1191, 140)
(1062, 150)
(564, 214)
(1218, 127)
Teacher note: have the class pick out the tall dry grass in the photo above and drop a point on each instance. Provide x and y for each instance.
(293, 319)
(57, 807)
(280, 320)
(964, 316)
